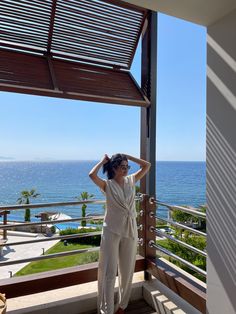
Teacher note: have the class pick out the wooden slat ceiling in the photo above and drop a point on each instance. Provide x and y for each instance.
(50, 34)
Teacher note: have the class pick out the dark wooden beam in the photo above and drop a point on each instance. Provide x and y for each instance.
(148, 115)
(71, 95)
(51, 26)
(126, 5)
(52, 72)
(137, 40)
(139, 89)
(148, 125)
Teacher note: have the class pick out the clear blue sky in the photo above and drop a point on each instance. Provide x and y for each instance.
(42, 128)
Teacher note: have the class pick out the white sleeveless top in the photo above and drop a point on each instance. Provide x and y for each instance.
(120, 214)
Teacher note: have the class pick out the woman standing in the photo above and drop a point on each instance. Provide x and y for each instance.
(119, 236)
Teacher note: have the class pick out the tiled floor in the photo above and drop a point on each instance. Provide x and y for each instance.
(137, 307)
(140, 307)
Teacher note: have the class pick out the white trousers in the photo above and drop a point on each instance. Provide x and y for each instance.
(116, 252)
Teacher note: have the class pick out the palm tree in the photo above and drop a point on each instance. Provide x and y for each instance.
(84, 196)
(25, 199)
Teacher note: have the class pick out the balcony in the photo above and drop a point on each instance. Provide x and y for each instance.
(157, 284)
(62, 67)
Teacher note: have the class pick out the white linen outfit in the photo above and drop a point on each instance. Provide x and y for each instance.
(118, 245)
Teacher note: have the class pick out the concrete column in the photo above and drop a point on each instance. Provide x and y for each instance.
(221, 166)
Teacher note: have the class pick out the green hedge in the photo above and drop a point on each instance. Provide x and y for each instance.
(93, 240)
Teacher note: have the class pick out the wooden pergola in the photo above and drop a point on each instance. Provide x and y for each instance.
(71, 49)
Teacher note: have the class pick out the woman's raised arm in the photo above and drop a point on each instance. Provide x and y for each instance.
(93, 173)
(145, 166)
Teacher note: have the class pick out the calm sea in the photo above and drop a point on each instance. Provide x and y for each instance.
(177, 183)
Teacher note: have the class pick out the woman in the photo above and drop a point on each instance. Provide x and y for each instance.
(119, 237)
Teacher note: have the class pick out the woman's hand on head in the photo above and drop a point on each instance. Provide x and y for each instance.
(105, 159)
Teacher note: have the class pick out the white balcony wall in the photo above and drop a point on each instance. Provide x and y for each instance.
(221, 165)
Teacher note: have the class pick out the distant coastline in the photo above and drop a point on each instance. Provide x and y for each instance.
(2, 158)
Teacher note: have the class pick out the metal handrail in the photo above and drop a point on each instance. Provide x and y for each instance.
(190, 211)
(45, 222)
(42, 205)
(176, 257)
(71, 203)
(65, 237)
(42, 257)
(188, 246)
(182, 226)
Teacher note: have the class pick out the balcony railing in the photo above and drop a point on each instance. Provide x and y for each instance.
(192, 212)
(6, 227)
(146, 261)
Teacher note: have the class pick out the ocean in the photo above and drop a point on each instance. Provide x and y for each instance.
(179, 183)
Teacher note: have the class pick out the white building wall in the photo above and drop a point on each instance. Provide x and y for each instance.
(221, 166)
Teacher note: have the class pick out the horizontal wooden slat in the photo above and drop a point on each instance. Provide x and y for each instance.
(112, 16)
(102, 29)
(41, 6)
(98, 43)
(57, 55)
(105, 32)
(23, 40)
(17, 69)
(87, 46)
(72, 95)
(107, 38)
(25, 16)
(87, 54)
(16, 24)
(78, 30)
(67, 10)
(72, 76)
(73, 80)
(20, 49)
(25, 31)
(25, 285)
(119, 7)
(113, 10)
(80, 16)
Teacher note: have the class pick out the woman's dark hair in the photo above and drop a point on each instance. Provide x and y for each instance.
(113, 162)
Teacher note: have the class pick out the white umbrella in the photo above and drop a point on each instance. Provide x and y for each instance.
(60, 216)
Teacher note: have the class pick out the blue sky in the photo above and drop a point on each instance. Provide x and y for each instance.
(43, 128)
